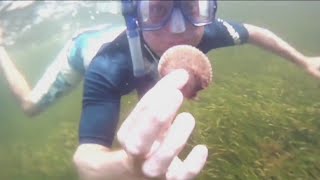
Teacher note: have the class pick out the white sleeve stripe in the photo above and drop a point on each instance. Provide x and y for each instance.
(232, 32)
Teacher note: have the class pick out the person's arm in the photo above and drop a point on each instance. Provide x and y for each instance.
(223, 33)
(267, 40)
(151, 138)
(16, 81)
(59, 78)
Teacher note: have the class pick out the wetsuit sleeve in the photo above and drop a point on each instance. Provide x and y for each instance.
(223, 34)
(101, 101)
(58, 79)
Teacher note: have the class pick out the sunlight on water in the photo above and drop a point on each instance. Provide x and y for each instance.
(13, 13)
(260, 119)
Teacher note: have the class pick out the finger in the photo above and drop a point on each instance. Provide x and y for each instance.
(176, 164)
(177, 136)
(152, 122)
(176, 170)
(191, 166)
(176, 79)
(154, 102)
(196, 160)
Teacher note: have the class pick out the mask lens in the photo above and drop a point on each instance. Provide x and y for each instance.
(153, 14)
(199, 12)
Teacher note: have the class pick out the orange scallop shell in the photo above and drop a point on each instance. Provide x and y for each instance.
(191, 59)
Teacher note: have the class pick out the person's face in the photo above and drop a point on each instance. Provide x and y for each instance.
(176, 31)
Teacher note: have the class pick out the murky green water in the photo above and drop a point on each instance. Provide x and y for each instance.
(260, 119)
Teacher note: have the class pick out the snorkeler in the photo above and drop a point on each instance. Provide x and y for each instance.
(67, 70)
(130, 63)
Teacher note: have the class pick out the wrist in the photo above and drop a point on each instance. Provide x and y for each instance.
(302, 61)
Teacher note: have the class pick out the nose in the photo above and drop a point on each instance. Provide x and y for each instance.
(177, 22)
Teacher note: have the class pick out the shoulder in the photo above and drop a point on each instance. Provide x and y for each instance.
(87, 42)
(223, 33)
(227, 29)
(110, 70)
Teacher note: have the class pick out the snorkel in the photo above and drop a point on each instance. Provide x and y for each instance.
(130, 15)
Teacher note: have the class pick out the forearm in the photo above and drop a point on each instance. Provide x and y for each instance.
(265, 39)
(17, 83)
(95, 162)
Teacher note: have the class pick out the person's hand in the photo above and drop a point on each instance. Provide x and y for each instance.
(153, 136)
(313, 66)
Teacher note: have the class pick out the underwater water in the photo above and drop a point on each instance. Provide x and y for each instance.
(260, 118)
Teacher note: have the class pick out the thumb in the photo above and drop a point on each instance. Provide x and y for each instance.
(175, 79)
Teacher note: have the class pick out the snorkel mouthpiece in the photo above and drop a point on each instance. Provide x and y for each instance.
(133, 34)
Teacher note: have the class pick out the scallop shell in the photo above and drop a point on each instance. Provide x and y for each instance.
(191, 59)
